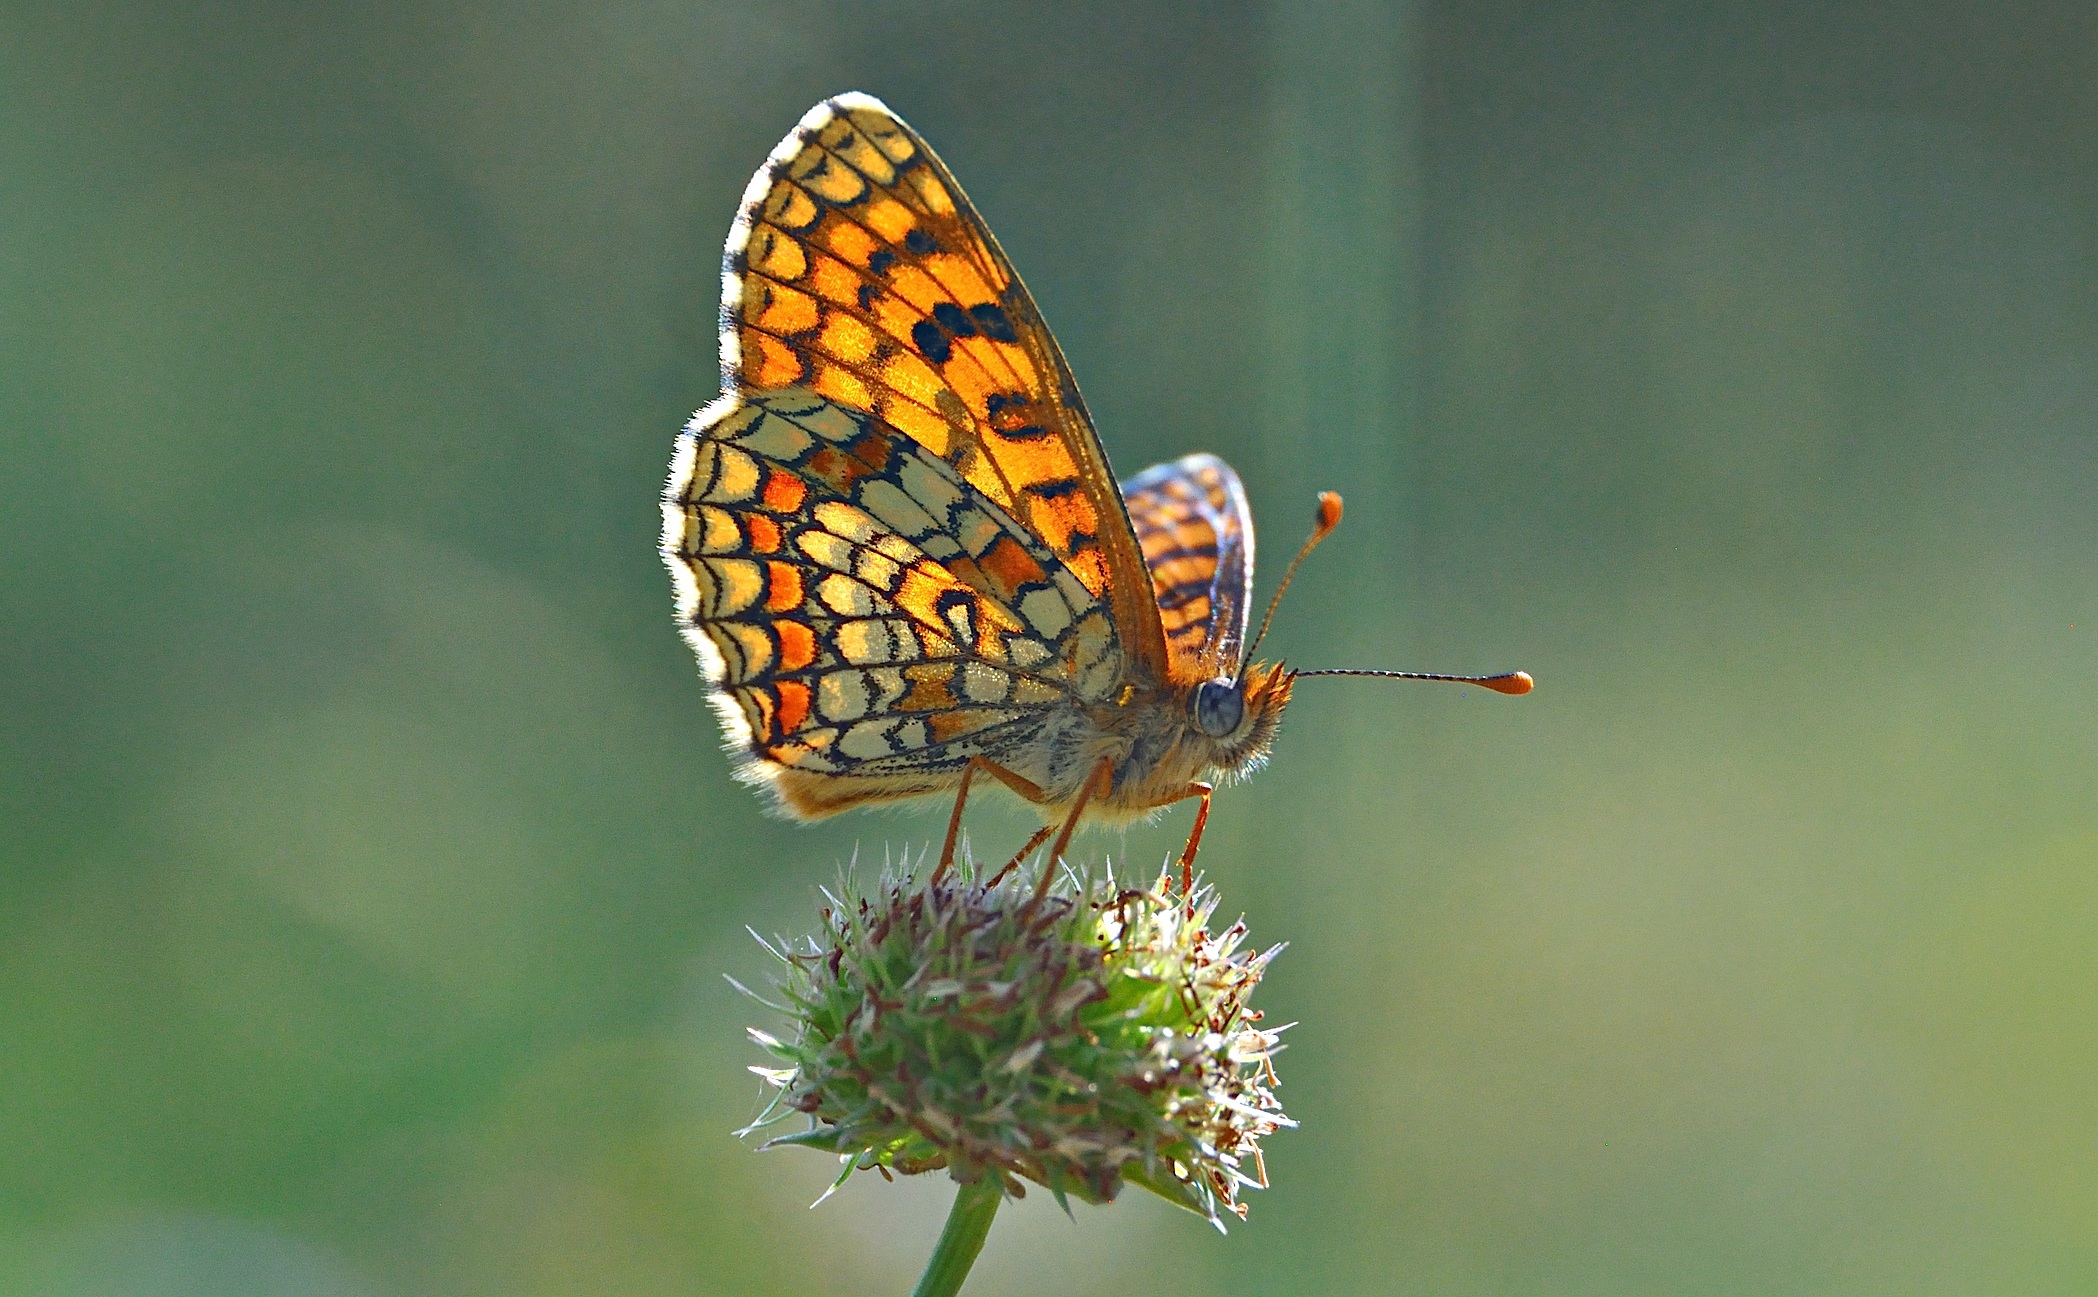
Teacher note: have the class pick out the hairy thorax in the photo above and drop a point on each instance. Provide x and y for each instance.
(1152, 747)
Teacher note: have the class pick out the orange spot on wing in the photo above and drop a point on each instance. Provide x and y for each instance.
(960, 277)
(1012, 565)
(929, 693)
(844, 387)
(916, 287)
(827, 465)
(764, 533)
(873, 450)
(779, 309)
(784, 492)
(782, 587)
(776, 254)
(835, 281)
(793, 705)
(775, 365)
(849, 241)
(889, 218)
(797, 645)
(847, 338)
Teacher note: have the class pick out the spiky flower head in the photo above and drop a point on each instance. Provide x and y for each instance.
(1078, 1036)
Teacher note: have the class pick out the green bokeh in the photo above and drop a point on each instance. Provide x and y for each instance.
(370, 863)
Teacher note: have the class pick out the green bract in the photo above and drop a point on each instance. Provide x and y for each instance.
(1077, 1038)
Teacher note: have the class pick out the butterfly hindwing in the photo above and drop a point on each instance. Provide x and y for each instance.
(1192, 520)
(857, 269)
(860, 608)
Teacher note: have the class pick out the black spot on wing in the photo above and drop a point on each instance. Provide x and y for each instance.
(954, 319)
(992, 321)
(867, 294)
(921, 243)
(931, 341)
(880, 262)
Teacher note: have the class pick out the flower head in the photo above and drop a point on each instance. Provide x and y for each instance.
(1077, 1036)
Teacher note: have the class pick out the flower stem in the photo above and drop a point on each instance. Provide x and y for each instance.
(968, 1222)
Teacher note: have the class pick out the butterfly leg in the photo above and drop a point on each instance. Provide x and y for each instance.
(1194, 836)
(1020, 784)
(1101, 782)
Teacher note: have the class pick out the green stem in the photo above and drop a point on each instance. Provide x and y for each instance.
(967, 1224)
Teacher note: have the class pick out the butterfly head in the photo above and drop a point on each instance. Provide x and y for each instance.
(1237, 718)
(1219, 706)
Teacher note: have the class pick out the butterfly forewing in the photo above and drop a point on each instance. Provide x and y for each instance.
(857, 269)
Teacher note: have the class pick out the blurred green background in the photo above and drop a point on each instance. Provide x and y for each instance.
(370, 864)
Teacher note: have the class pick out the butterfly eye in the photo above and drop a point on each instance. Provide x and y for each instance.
(1219, 706)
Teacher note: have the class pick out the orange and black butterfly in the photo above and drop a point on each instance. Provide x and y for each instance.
(897, 547)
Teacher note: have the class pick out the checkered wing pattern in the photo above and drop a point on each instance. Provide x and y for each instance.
(857, 269)
(1196, 532)
(860, 608)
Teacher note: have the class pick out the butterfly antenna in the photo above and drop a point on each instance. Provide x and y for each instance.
(1514, 683)
(1321, 527)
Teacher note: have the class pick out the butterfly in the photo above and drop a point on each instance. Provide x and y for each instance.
(896, 544)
